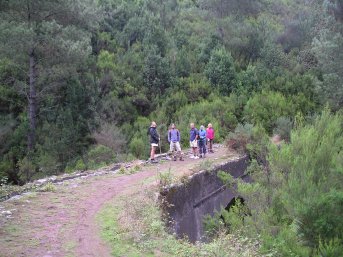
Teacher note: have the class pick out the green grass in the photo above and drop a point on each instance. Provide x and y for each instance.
(111, 233)
(48, 187)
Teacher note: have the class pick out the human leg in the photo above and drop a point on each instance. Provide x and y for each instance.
(201, 147)
(152, 153)
(172, 150)
(204, 149)
(178, 150)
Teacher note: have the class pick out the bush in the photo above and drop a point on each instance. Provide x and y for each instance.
(296, 199)
(138, 148)
(165, 178)
(75, 165)
(5, 168)
(196, 88)
(266, 107)
(48, 163)
(80, 165)
(98, 156)
(235, 215)
(221, 72)
(239, 139)
(213, 225)
(110, 136)
(258, 145)
(283, 127)
(27, 168)
(332, 248)
(48, 187)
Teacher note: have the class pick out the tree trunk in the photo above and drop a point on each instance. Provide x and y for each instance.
(32, 103)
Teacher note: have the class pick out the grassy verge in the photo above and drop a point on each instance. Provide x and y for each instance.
(132, 226)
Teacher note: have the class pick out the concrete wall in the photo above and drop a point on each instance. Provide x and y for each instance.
(202, 195)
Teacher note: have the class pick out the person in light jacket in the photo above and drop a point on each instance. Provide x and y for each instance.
(174, 141)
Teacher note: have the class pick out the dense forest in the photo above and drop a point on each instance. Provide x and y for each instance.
(80, 82)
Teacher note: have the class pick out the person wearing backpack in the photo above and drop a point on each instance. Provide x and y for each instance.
(154, 140)
(193, 136)
(202, 141)
(210, 137)
(174, 141)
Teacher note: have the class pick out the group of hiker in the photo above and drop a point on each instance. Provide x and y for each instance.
(201, 141)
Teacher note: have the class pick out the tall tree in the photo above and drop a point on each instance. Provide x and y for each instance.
(220, 71)
(46, 41)
(328, 48)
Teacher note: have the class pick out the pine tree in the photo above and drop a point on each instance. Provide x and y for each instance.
(46, 41)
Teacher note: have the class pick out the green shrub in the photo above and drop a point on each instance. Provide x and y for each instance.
(80, 165)
(3, 181)
(239, 139)
(196, 88)
(48, 187)
(258, 145)
(221, 72)
(266, 107)
(165, 178)
(213, 225)
(296, 199)
(332, 248)
(75, 165)
(283, 127)
(5, 169)
(98, 156)
(27, 168)
(48, 163)
(137, 147)
(235, 215)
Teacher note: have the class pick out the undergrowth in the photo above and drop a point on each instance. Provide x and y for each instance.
(132, 225)
(165, 178)
(48, 187)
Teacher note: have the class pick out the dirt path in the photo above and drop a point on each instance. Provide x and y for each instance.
(62, 223)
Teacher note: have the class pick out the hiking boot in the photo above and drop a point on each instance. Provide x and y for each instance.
(174, 158)
(153, 161)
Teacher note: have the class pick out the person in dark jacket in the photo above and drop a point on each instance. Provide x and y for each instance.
(154, 140)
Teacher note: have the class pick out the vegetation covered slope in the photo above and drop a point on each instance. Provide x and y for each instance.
(80, 80)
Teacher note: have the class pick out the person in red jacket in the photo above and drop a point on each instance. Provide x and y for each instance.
(210, 137)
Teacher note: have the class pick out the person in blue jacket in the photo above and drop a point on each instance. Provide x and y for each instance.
(193, 136)
(202, 141)
(174, 139)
